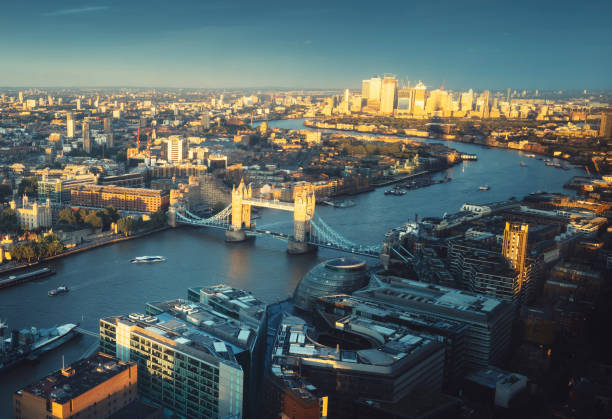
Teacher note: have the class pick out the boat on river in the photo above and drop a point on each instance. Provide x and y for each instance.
(340, 204)
(484, 188)
(62, 289)
(148, 259)
(29, 344)
(395, 191)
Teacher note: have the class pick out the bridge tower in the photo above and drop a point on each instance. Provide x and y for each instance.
(241, 213)
(172, 216)
(303, 211)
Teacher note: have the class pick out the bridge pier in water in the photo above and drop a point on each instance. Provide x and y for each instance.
(309, 231)
(303, 209)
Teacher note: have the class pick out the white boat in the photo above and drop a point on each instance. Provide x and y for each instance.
(148, 259)
(62, 289)
(484, 188)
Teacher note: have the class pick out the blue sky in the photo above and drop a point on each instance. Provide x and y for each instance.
(198, 43)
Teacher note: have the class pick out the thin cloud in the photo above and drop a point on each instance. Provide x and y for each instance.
(80, 10)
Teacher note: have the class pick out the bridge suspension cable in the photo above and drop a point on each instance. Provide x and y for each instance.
(323, 234)
(220, 219)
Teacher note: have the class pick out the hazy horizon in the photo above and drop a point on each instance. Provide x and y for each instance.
(548, 45)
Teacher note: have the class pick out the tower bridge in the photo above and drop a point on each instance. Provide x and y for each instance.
(309, 230)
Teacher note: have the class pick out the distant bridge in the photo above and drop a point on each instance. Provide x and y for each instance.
(309, 230)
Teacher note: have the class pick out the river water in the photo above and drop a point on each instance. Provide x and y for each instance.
(104, 283)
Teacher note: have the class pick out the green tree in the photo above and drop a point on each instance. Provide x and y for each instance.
(26, 252)
(93, 219)
(52, 245)
(112, 213)
(9, 223)
(159, 219)
(28, 186)
(81, 214)
(68, 216)
(126, 225)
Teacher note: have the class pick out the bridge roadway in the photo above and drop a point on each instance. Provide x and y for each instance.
(329, 243)
(267, 203)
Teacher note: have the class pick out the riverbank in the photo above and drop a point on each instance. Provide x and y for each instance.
(8, 268)
(422, 135)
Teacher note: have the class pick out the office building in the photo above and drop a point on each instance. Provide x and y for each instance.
(335, 276)
(108, 130)
(176, 152)
(235, 303)
(375, 89)
(388, 98)
(437, 101)
(394, 362)
(514, 247)
(86, 137)
(419, 94)
(605, 127)
(404, 99)
(481, 270)
(205, 121)
(494, 386)
(193, 359)
(365, 89)
(69, 125)
(94, 387)
(108, 124)
(488, 320)
(467, 101)
(57, 190)
(123, 199)
(333, 310)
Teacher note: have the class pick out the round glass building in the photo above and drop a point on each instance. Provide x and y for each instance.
(335, 276)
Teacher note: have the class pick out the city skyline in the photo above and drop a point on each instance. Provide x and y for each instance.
(238, 45)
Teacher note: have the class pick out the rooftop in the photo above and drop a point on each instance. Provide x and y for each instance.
(395, 289)
(83, 375)
(234, 302)
(202, 319)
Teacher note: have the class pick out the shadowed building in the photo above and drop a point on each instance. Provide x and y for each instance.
(94, 387)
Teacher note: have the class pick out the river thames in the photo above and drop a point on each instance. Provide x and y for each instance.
(104, 283)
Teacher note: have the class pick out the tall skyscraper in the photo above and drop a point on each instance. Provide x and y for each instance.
(78, 104)
(20, 97)
(108, 129)
(205, 119)
(108, 124)
(388, 97)
(86, 137)
(69, 125)
(176, 150)
(467, 101)
(418, 98)
(605, 128)
(375, 88)
(365, 89)
(514, 247)
(437, 101)
(404, 99)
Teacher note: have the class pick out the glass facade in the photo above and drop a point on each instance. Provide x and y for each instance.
(180, 381)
